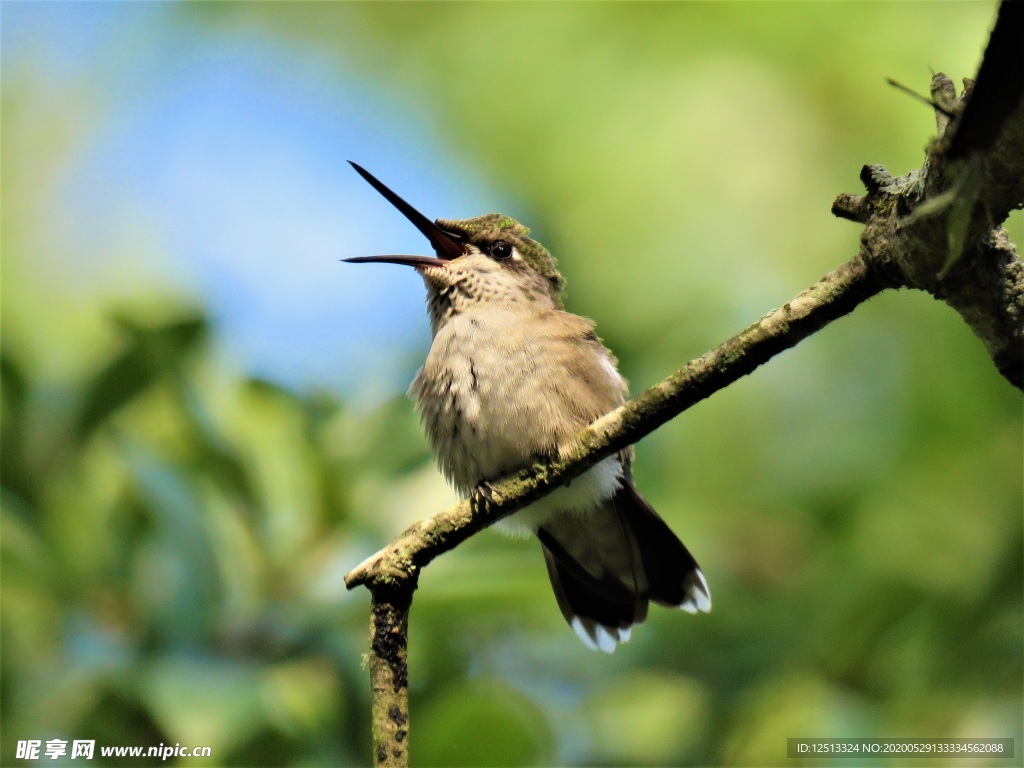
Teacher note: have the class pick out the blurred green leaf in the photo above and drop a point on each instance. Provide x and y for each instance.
(177, 571)
(481, 723)
(648, 719)
(14, 383)
(205, 702)
(391, 434)
(213, 453)
(15, 475)
(147, 353)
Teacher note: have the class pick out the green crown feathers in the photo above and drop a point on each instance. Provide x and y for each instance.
(494, 226)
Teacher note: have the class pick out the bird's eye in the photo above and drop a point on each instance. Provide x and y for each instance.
(500, 250)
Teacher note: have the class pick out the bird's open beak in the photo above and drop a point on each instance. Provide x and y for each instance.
(446, 245)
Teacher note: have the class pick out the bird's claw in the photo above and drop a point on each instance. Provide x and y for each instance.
(482, 496)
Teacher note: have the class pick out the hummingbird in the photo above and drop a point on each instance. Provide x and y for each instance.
(511, 377)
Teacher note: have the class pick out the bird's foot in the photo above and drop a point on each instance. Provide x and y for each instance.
(483, 496)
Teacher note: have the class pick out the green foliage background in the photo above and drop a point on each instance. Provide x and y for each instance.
(175, 532)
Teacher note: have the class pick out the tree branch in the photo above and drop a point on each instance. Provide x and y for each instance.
(389, 676)
(937, 229)
(391, 575)
(835, 295)
(934, 230)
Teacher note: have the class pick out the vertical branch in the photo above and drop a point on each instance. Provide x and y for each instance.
(389, 677)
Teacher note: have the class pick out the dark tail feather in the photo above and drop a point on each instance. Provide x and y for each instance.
(600, 609)
(673, 576)
(606, 566)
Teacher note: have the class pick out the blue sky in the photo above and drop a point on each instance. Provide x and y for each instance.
(230, 151)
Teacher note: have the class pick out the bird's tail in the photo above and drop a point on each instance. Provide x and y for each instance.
(607, 565)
